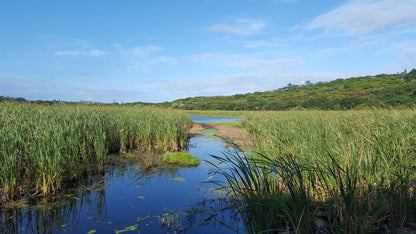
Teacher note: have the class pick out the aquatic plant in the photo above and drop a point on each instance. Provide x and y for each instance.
(350, 172)
(180, 158)
(40, 145)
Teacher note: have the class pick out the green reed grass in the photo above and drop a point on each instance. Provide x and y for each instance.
(180, 158)
(40, 145)
(349, 172)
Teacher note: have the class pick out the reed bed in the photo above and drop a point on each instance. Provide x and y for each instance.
(41, 145)
(326, 172)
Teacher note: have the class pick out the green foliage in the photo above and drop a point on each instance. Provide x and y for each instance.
(411, 76)
(395, 90)
(237, 124)
(327, 171)
(180, 158)
(42, 144)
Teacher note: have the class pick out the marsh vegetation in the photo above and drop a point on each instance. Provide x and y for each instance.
(332, 172)
(42, 145)
(305, 171)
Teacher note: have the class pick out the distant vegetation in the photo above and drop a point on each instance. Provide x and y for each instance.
(380, 91)
(394, 90)
(41, 145)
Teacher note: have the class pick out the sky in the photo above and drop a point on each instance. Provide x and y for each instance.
(156, 51)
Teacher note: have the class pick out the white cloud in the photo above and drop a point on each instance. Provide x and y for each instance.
(237, 83)
(65, 46)
(216, 56)
(144, 50)
(407, 51)
(241, 27)
(250, 61)
(360, 17)
(265, 64)
(13, 86)
(107, 95)
(92, 52)
(142, 58)
(218, 85)
(410, 53)
(257, 44)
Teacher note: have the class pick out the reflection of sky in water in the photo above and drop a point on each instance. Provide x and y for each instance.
(126, 193)
(206, 119)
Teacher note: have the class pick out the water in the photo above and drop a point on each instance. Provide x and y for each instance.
(129, 199)
(206, 119)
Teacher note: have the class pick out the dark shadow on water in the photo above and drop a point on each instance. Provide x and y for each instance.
(129, 197)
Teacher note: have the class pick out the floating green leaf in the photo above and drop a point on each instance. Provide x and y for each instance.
(126, 229)
(179, 179)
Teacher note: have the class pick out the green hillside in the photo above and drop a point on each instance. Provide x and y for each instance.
(384, 90)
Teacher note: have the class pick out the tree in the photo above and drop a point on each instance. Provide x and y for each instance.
(411, 75)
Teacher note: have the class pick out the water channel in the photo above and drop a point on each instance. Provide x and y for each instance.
(129, 199)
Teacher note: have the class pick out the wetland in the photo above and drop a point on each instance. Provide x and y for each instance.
(129, 197)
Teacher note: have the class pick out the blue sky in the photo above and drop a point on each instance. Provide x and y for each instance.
(155, 51)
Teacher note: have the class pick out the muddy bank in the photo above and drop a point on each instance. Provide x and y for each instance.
(235, 135)
(196, 129)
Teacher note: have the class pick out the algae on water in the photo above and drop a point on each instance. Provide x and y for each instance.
(180, 158)
(178, 179)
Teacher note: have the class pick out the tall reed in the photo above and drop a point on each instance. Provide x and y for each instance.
(40, 145)
(350, 172)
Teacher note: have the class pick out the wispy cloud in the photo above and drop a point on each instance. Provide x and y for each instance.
(65, 46)
(266, 64)
(257, 44)
(144, 57)
(241, 27)
(92, 52)
(15, 86)
(212, 56)
(237, 83)
(360, 17)
(407, 51)
(105, 94)
(248, 61)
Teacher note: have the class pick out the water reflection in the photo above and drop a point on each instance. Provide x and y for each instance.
(127, 196)
(206, 119)
(58, 213)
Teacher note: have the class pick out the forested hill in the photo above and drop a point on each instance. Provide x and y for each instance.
(394, 90)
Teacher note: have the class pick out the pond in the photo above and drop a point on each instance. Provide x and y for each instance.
(127, 198)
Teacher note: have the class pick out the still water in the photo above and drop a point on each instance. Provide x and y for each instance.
(129, 199)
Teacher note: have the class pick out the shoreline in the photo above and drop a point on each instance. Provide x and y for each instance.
(234, 135)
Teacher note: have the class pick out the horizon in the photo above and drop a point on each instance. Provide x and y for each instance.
(156, 103)
(160, 51)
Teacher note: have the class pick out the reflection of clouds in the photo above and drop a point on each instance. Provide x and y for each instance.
(60, 212)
